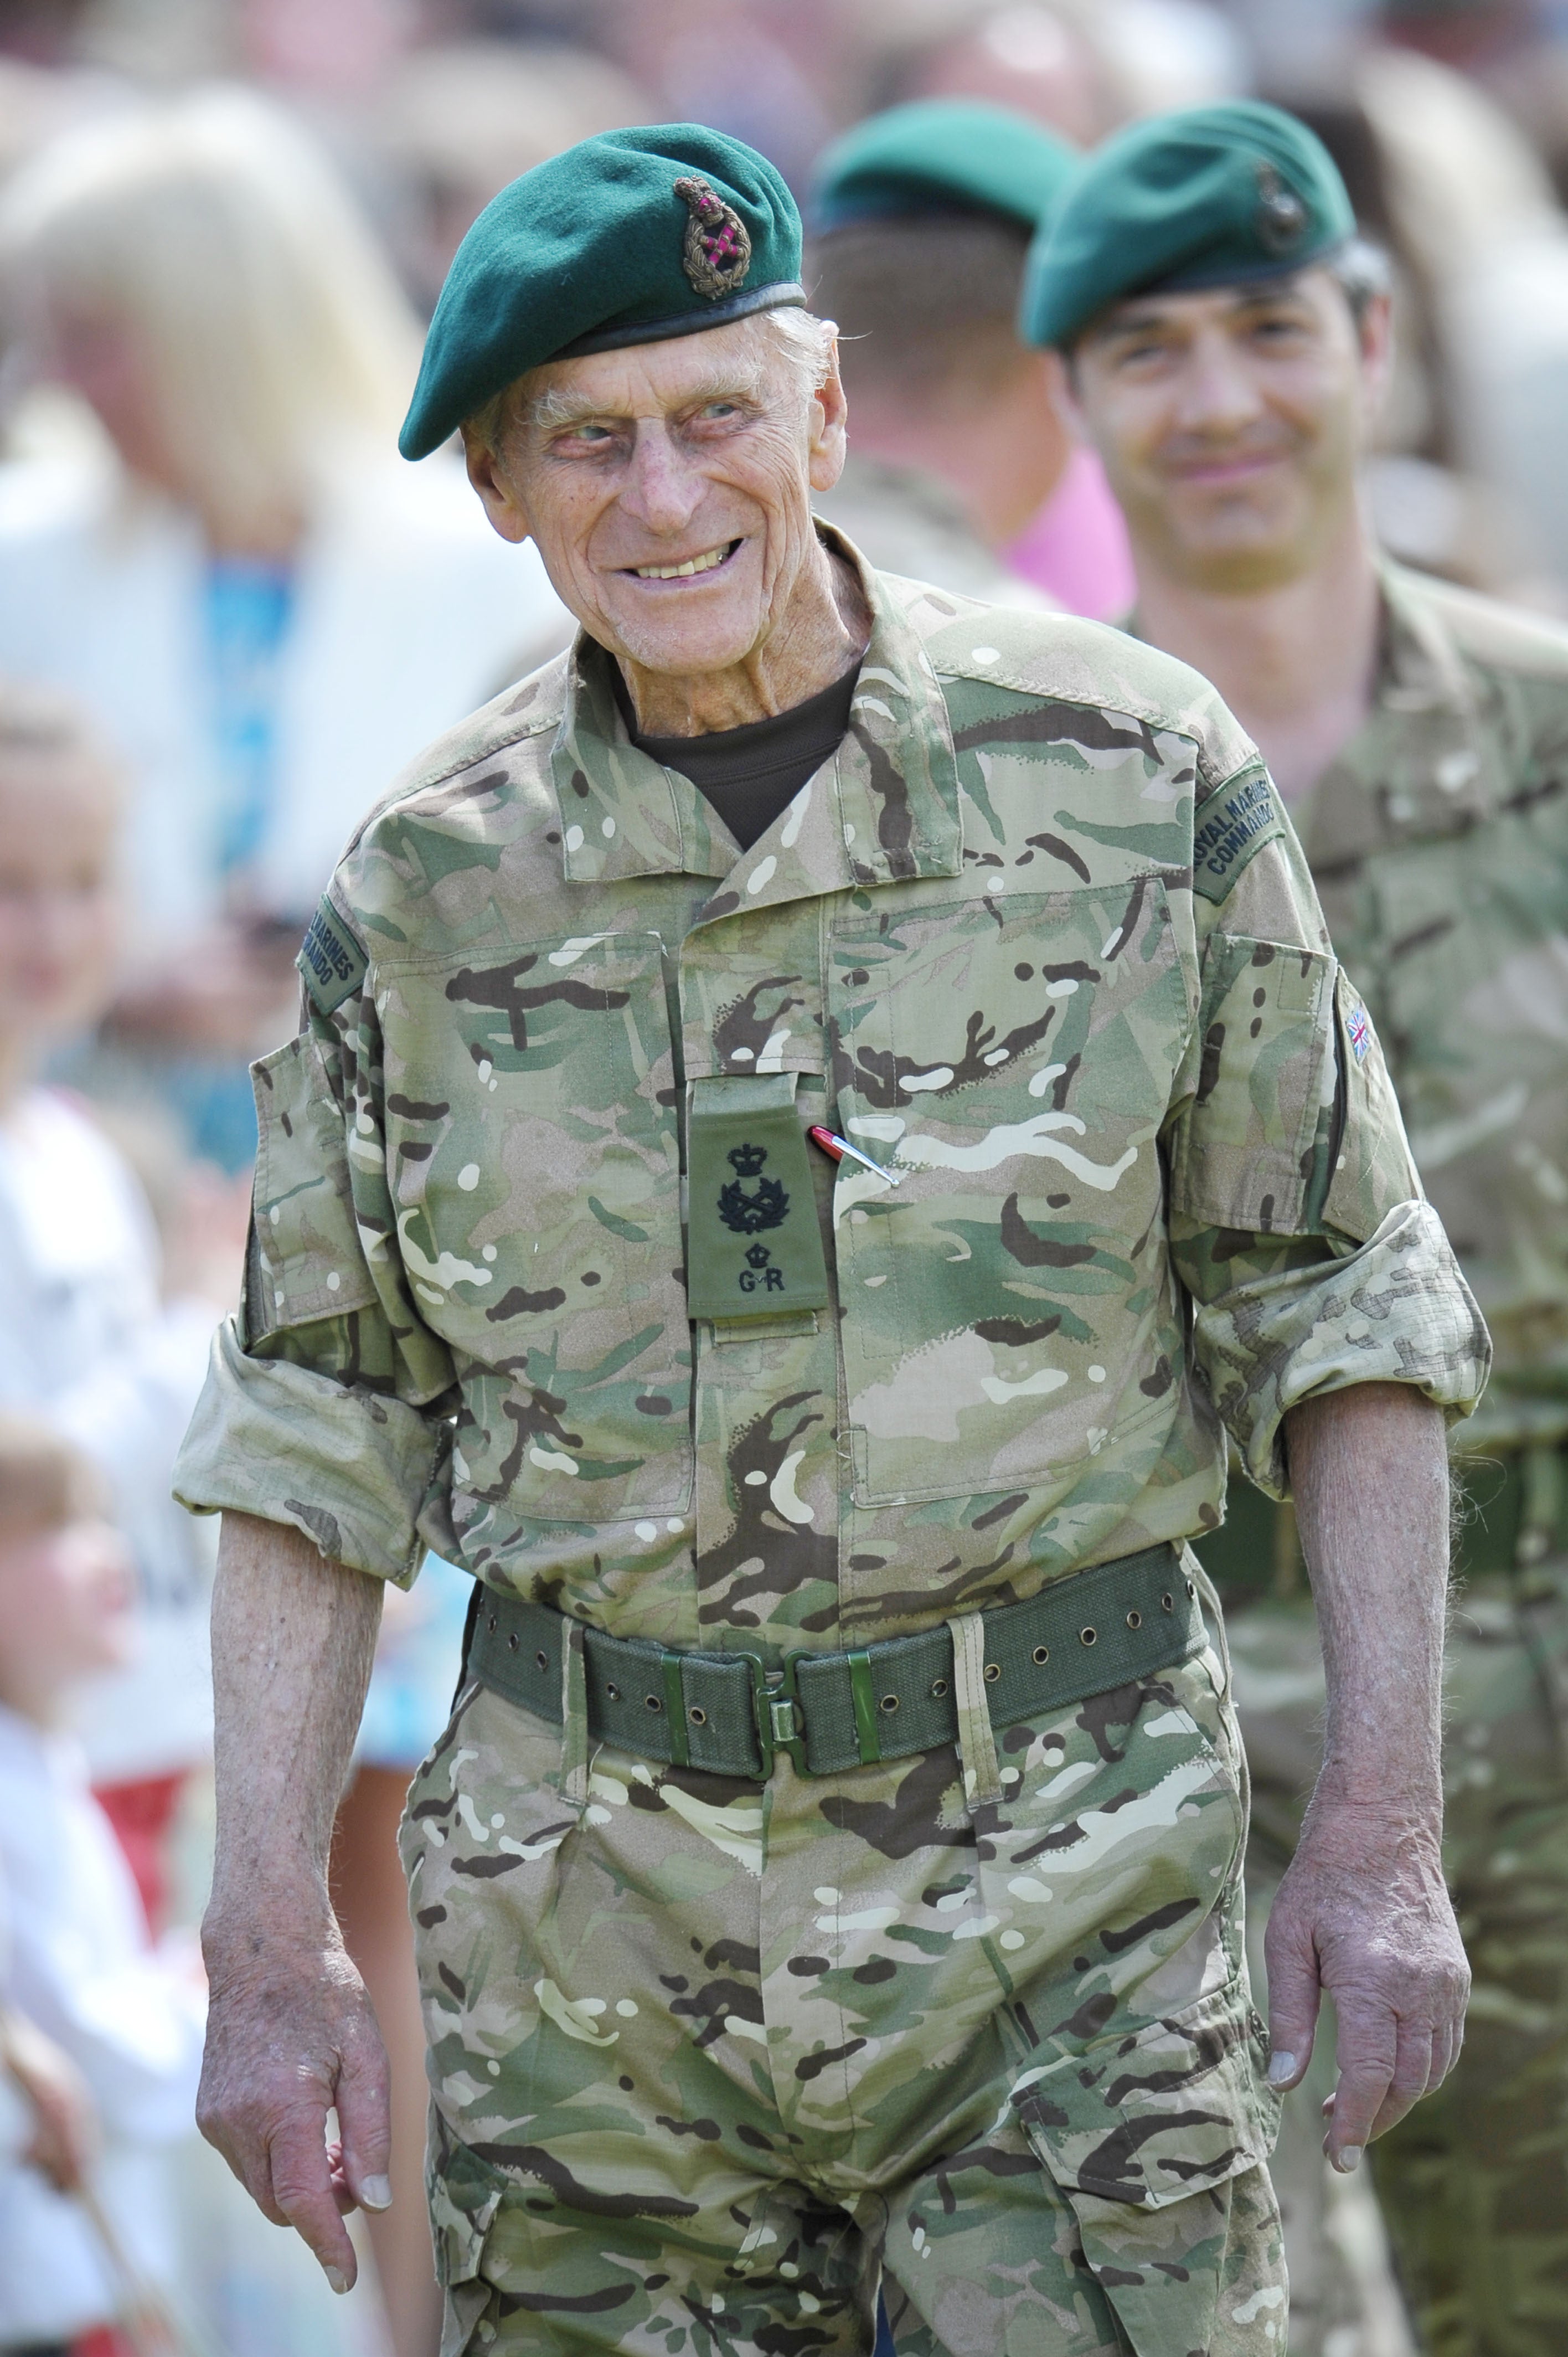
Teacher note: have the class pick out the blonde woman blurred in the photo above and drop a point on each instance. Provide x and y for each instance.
(265, 610)
(267, 614)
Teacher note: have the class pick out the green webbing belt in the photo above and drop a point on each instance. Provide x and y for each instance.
(729, 1714)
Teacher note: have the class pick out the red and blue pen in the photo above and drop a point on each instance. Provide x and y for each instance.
(836, 1147)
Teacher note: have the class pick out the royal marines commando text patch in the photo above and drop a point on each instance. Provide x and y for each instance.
(1228, 828)
(331, 959)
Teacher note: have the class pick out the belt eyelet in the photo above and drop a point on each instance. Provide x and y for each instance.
(1088, 1636)
(697, 1715)
(939, 1687)
(1135, 1620)
(1167, 1602)
(1041, 1655)
(543, 1660)
(653, 1703)
(888, 1702)
(992, 1671)
(512, 1642)
(612, 1693)
(1190, 1589)
(492, 1620)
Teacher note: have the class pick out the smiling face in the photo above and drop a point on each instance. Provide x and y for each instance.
(668, 488)
(1231, 423)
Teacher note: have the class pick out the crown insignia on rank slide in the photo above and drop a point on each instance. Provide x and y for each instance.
(716, 255)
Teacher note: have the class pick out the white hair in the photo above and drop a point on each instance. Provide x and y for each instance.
(271, 330)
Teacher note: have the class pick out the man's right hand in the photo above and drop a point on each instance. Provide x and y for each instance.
(291, 2037)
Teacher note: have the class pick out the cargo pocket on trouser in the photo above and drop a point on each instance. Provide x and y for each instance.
(1159, 2139)
(464, 2199)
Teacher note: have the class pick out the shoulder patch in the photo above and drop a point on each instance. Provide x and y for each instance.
(331, 959)
(1228, 828)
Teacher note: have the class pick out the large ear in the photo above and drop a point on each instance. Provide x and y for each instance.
(489, 474)
(830, 416)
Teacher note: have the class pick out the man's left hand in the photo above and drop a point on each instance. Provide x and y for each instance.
(1363, 1915)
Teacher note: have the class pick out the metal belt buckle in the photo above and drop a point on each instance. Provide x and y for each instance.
(777, 1712)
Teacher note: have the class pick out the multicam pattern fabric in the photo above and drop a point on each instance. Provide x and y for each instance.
(686, 2037)
(1117, 1109)
(715, 2157)
(1439, 843)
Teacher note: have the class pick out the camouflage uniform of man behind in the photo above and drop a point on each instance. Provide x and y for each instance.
(1438, 844)
(1436, 832)
(785, 1916)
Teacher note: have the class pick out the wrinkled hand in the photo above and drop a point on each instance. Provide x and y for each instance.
(290, 2037)
(1363, 1914)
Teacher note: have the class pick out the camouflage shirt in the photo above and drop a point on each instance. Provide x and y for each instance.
(1439, 844)
(1038, 939)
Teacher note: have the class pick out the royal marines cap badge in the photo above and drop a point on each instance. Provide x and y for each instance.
(717, 250)
(1281, 218)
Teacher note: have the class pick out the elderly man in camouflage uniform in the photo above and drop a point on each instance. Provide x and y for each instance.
(831, 1870)
(1418, 735)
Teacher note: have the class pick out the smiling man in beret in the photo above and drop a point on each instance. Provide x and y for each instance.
(814, 1112)
(1228, 344)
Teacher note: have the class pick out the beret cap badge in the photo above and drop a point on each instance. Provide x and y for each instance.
(716, 253)
(1281, 218)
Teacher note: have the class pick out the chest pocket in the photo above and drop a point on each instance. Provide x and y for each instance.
(534, 1163)
(1002, 1305)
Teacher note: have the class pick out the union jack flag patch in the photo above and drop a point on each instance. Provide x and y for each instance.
(1360, 1031)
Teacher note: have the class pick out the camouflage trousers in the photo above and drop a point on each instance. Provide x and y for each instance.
(710, 2060)
(1473, 2182)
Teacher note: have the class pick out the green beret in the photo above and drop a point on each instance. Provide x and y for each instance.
(941, 156)
(1216, 195)
(625, 239)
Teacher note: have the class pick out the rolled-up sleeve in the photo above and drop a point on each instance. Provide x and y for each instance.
(327, 1402)
(1298, 1224)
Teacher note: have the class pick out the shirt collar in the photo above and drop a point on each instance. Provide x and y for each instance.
(883, 809)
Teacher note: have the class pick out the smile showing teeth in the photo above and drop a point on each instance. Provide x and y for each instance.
(683, 572)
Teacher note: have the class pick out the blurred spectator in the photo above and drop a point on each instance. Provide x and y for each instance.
(458, 123)
(85, 1339)
(1473, 211)
(1080, 66)
(266, 611)
(75, 1965)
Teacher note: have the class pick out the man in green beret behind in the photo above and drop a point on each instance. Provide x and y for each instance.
(921, 219)
(788, 1174)
(1226, 341)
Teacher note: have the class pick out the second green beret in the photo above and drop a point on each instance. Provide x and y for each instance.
(942, 155)
(1214, 196)
(626, 238)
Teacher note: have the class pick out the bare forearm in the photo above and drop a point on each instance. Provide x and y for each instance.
(290, 2035)
(293, 1637)
(1362, 1912)
(1369, 1474)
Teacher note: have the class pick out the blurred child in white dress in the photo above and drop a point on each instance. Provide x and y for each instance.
(77, 1965)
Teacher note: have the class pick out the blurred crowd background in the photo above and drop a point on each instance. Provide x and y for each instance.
(228, 614)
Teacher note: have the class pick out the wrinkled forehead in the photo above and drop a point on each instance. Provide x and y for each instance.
(650, 379)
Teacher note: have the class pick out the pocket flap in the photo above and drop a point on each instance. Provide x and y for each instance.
(307, 1262)
(1154, 2116)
